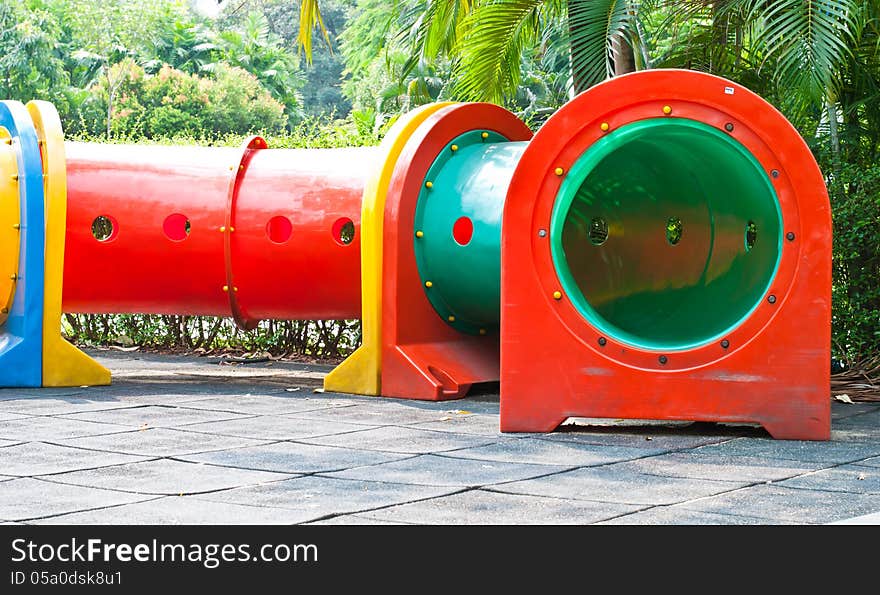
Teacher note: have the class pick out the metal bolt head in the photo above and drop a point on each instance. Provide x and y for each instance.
(602, 341)
(484, 136)
(775, 173)
(728, 127)
(429, 184)
(557, 295)
(725, 344)
(790, 236)
(450, 318)
(420, 234)
(663, 359)
(667, 110)
(772, 299)
(482, 331)
(454, 148)
(542, 233)
(428, 284)
(559, 171)
(604, 126)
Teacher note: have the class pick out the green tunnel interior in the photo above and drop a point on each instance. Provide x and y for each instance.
(666, 234)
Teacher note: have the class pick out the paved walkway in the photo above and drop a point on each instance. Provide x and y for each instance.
(189, 440)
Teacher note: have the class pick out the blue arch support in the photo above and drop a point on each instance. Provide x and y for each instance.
(21, 336)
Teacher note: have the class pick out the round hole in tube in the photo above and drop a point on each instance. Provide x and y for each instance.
(279, 229)
(176, 227)
(343, 231)
(463, 231)
(104, 228)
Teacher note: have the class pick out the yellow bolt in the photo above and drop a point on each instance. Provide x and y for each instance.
(225, 288)
(13, 276)
(667, 110)
(241, 168)
(222, 228)
(7, 141)
(16, 226)
(428, 284)
(482, 331)
(604, 126)
(4, 310)
(454, 147)
(231, 167)
(420, 233)
(559, 171)
(557, 295)
(451, 318)
(235, 289)
(485, 135)
(429, 184)
(15, 177)
(231, 229)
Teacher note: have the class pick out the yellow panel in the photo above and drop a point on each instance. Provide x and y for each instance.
(10, 220)
(360, 373)
(63, 364)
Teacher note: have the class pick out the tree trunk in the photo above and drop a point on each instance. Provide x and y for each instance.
(624, 59)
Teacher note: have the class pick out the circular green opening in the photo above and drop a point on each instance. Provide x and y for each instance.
(673, 270)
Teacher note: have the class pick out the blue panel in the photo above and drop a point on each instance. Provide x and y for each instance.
(21, 336)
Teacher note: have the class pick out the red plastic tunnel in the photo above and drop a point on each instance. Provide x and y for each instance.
(253, 233)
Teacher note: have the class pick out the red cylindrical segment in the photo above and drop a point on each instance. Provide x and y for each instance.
(146, 228)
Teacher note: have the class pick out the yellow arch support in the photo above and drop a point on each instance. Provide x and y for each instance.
(360, 373)
(63, 364)
(10, 216)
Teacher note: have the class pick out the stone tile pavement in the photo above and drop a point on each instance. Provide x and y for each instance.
(187, 440)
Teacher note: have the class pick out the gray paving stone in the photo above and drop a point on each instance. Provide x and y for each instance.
(864, 427)
(781, 504)
(54, 428)
(167, 477)
(841, 411)
(274, 427)
(378, 412)
(24, 499)
(550, 452)
(738, 469)
(677, 515)
(795, 450)
(446, 471)
(154, 416)
(316, 497)
(648, 437)
(865, 519)
(4, 443)
(177, 510)
(479, 424)
(6, 477)
(17, 394)
(403, 440)
(9, 416)
(355, 519)
(608, 484)
(161, 442)
(480, 507)
(872, 462)
(290, 457)
(37, 458)
(59, 405)
(846, 478)
(269, 404)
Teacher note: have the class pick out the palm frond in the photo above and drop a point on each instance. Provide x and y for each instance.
(309, 19)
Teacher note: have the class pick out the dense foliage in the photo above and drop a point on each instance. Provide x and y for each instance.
(164, 72)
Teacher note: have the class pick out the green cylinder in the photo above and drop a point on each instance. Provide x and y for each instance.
(666, 234)
(458, 229)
